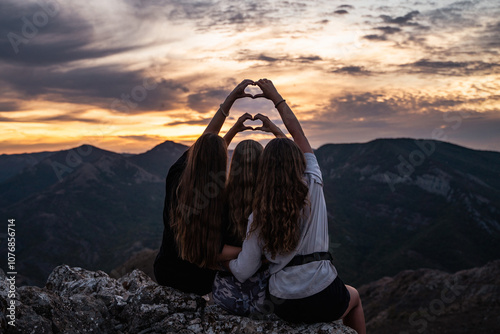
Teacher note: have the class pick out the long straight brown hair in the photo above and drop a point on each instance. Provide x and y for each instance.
(241, 184)
(197, 216)
(280, 196)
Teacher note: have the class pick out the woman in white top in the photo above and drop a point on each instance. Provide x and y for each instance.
(289, 226)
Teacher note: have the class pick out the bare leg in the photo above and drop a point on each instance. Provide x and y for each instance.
(354, 316)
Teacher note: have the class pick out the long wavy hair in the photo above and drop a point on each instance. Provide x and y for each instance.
(241, 184)
(280, 196)
(196, 218)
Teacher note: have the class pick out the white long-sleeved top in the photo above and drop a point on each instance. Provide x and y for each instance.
(296, 281)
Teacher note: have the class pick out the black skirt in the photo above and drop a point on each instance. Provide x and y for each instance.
(325, 306)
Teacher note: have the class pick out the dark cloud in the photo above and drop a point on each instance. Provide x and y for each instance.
(232, 16)
(110, 87)
(452, 68)
(407, 21)
(490, 36)
(65, 118)
(386, 32)
(248, 55)
(341, 12)
(74, 116)
(378, 108)
(374, 37)
(389, 30)
(455, 14)
(359, 116)
(352, 70)
(207, 100)
(142, 138)
(209, 15)
(365, 105)
(269, 59)
(203, 121)
(401, 20)
(182, 10)
(462, 16)
(9, 106)
(308, 59)
(32, 36)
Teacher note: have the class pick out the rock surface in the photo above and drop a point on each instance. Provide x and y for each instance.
(76, 300)
(432, 301)
(142, 260)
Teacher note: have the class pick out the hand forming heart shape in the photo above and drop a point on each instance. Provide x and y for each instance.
(252, 121)
(260, 89)
(253, 90)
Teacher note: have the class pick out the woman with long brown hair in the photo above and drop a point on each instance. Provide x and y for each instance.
(289, 226)
(193, 209)
(241, 185)
(249, 297)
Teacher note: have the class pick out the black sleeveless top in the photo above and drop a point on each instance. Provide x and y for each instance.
(169, 268)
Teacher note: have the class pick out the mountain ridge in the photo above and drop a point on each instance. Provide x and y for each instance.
(96, 208)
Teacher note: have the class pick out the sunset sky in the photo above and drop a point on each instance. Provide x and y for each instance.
(126, 75)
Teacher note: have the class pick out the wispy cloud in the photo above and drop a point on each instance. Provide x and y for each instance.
(203, 121)
(352, 70)
(276, 59)
(452, 68)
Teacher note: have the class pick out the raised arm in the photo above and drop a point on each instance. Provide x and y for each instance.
(291, 122)
(237, 127)
(220, 116)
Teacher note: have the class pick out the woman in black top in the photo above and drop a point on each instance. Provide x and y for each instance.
(193, 210)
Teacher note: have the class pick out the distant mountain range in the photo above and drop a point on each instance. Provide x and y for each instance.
(401, 204)
(393, 204)
(86, 207)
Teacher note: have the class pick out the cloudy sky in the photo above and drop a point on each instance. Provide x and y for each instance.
(125, 75)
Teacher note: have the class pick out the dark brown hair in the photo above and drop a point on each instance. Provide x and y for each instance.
(196, 219)
(280, 196)
(241, 184)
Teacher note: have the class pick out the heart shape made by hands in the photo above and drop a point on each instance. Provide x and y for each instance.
(252, 123)
(253, 90)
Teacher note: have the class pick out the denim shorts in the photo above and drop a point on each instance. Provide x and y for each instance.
(247, 298)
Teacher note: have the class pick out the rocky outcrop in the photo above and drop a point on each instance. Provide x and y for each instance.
(142, 260)
(75, 300)
(432, 301)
